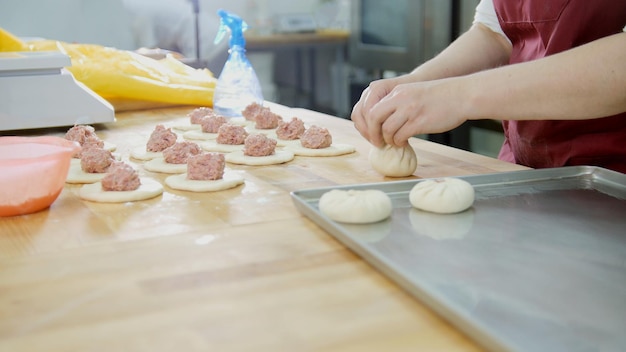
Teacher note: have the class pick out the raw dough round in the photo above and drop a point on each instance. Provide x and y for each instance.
(333, 150)
(109, 146)
(140, 153)
(393, 161)
(198, 135)
(213, 146)
(187, 127)
(160, 165)
(93, 192)
(279, 157)
(77, 175)
(289, 143)
(180, 182)
(356, 206)
(445, 196)
(240, 121)
(269, 132)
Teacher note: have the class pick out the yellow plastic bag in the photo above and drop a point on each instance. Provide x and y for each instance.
(120, 74)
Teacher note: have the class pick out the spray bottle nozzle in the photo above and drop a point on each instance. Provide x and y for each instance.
(236, 25)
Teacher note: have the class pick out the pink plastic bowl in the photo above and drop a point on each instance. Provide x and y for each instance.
(32, 172)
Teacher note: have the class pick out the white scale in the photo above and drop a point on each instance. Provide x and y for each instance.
(36, 91)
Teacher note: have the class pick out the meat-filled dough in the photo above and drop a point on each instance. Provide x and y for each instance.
(355, 206)
(445, 196)
(393, 161)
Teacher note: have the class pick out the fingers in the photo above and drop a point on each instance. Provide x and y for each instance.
(367, 124)
(392, 129)
(390, 117)
(375, 115)
(358, 116)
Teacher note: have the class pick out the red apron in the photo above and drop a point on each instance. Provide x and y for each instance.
(539, 28)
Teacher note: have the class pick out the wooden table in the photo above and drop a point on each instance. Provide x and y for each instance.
(236, 270)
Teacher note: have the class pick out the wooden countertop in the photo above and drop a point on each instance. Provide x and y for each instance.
(236, 270)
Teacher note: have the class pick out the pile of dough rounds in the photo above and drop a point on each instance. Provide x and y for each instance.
(356, 206)
(394, 161)
(444, 196)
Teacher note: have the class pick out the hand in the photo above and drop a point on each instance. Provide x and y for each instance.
(410, 109)
(370, 96)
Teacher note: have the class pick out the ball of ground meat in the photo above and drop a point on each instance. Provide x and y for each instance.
(206, 166)
(316, 138)
(90, 142)
(231, 134)
(180, 152)
(290, 130)
(80, 133)
(259, 145)
(196, 114)
(121, 177)
(250, 112)
(96, 160)
(161, 138)
(266, 119)
(211, 124)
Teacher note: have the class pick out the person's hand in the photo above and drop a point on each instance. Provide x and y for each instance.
(408, 110)
(369, 97)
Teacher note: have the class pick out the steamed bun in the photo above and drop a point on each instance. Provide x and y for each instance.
(446, 196)
(393, 161)
(355, 206)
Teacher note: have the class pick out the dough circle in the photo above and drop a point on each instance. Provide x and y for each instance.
(279, 157)
(160, 165)
(149, 188)
(333, 150)
(198, 135)
(109, 146)
(240, 121)
(356, 206)
(393, 161)
(181, 183)
(77, 175)
(445, 196)
(213, 146)
(269, 132)
(187, 127)
(140, 153)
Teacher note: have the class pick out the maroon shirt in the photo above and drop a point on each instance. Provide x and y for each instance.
(539, 28)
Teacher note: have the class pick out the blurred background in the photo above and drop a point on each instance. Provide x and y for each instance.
(315, 54)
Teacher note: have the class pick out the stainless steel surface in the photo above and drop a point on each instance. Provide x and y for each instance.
(537, 264)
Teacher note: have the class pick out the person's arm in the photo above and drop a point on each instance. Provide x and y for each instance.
(477, 49)
(582, 83)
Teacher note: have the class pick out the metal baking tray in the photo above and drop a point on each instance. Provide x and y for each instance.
(537, 264)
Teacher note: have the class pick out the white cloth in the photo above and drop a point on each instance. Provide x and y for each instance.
(486, 15)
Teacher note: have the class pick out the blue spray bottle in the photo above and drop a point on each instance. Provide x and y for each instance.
(237, 85)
